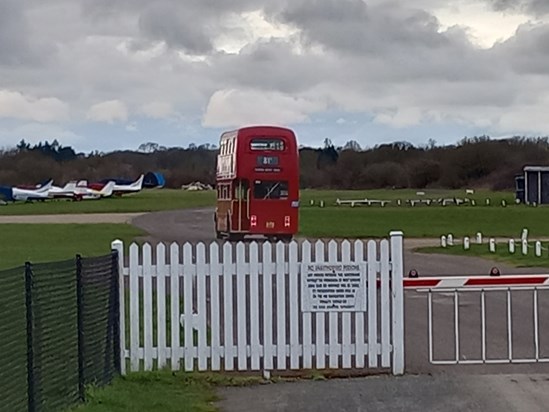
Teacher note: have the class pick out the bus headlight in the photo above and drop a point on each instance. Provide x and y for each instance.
(253, 220)
(286, 221)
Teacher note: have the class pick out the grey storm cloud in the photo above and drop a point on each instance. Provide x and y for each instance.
(527, 52)
(190, 25)
(535, 7)
(367, 56)
(179, 28)
(14, 45)
(353, 25)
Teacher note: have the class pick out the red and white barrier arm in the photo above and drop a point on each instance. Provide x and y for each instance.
(475, 281)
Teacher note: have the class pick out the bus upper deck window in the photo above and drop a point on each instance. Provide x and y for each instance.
(266, 143)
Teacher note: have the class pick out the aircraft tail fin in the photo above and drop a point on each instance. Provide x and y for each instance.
(138, 184)
(107, 189)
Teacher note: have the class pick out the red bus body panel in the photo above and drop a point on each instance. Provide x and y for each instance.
(258, 182)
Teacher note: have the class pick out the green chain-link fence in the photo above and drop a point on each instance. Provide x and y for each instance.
(60, 332)
(13, 341)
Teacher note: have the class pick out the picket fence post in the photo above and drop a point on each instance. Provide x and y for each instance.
(398, 302)
(118, 245)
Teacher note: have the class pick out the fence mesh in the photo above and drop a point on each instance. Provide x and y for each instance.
(54, 370)
(99, 320)
(13, 341)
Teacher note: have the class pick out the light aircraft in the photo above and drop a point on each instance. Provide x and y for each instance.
(72, 190)
(13, 193)
(120, 189)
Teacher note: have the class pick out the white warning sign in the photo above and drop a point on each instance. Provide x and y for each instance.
(339, 287)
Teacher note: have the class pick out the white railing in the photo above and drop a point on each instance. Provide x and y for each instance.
(241, 307)
(521, 346)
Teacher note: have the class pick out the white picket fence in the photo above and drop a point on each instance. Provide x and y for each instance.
(242, 303)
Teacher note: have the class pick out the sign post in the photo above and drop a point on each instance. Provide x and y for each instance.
(338, 287)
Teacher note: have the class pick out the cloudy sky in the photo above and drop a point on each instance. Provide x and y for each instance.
(112, 74)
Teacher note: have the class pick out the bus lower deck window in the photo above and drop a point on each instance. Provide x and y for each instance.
(270, 189)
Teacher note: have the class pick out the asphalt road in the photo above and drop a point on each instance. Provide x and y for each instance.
(461, 393)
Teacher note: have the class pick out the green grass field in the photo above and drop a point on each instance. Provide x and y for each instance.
(149, 200)
(330, 196)
(51, 242)
(171, 199)
(502, 254)
(423, 221)
(154, 391)
(162, 391)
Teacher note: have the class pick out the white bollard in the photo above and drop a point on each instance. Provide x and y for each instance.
(492, 245)
(487, 202)
(538, 248)
(511, 245)
(479, 238)
(466, 243)
(524, 247)
(322, 203)
(450, 239)
(443, 241)
(398, 202)
(524, 235)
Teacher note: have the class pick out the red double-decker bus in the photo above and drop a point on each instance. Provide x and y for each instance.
(257, 183)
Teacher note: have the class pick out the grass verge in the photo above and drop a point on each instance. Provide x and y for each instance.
(423, 222)
(502, 254)
(330, 196)
(148, 200)
(50, 242)
(161, 391)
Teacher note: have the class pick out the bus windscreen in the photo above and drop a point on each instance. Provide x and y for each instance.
(270, 189)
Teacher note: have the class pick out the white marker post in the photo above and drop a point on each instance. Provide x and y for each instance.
(538, 248)
(443, 241)
(450, 239)
(466, 243)
(479, 238)
(524, 247)
(492, 245)
(511, 245)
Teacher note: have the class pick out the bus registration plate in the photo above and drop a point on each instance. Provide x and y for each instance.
(270, 225)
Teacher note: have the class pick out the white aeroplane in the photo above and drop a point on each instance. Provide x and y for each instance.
(119, 188)
(73, 191)
(13, 193)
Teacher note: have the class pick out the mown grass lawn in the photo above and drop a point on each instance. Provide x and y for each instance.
(50, 242)
(161, 391)
(148, 200)
(423, 221)
(502, 254)
(330, 196)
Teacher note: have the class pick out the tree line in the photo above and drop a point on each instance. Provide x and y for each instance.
(472, 162)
